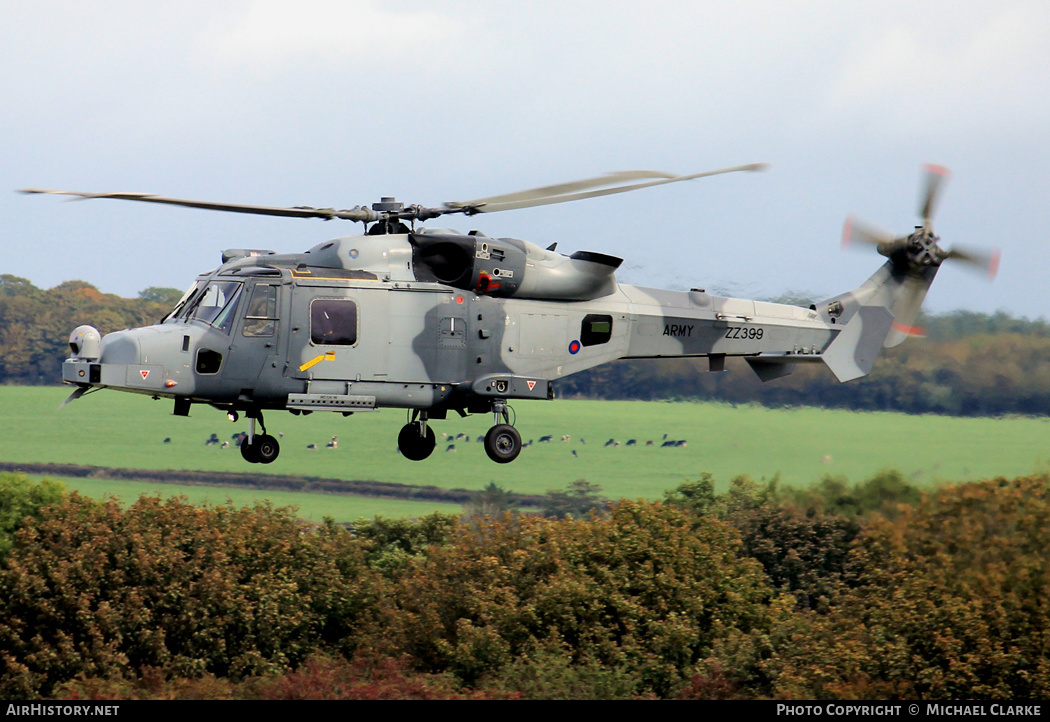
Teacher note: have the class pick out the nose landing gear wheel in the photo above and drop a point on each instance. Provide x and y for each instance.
(413, 444)
(503, 443)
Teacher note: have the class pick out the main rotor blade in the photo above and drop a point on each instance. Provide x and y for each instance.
(560, 193)
(353, 214)
(577, 190)
(563, 188)
(935, 177)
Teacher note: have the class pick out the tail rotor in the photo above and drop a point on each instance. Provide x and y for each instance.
(920, 250)
(916, 257)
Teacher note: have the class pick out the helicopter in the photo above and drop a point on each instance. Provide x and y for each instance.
(433, 320)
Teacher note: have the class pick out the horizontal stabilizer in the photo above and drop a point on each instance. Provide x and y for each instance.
(768, 369)
(853, 352)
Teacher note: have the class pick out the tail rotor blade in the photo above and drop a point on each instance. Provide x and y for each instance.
(977, 259)
(935, 177)
(858, 231)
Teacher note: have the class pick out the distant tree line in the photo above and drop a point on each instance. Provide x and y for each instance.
(969, 364)
(859, 591)
(35, 324)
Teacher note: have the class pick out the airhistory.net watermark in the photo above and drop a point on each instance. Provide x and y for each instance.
(62, 710)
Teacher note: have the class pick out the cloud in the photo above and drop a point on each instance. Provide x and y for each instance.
(334, 103)
(271, 34)
(970, 73)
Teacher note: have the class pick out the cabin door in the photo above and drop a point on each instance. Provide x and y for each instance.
(255, 358)
(339, 334)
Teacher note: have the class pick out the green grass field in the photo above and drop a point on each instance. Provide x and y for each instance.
(312, 507)
(800, 445)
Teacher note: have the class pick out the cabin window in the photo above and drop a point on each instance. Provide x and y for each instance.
(597, 329)
(260, 319)
(333, 322)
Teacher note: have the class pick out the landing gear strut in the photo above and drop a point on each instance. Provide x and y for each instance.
(416, 440)
(502, 442)
(259, 449)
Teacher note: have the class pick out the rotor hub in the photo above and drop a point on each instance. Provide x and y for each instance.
(388, 204)
(923, 249)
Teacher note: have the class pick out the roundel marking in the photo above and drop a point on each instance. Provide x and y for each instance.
(574, 347)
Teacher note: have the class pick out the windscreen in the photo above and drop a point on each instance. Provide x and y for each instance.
(215, 304)
(181, 305)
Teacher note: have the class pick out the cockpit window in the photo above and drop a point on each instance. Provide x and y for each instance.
(177, 311)
(215, 305)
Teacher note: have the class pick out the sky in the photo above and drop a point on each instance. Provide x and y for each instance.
(337, 103)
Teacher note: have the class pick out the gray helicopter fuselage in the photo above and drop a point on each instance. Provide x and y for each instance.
(348, 326)
(434, 320)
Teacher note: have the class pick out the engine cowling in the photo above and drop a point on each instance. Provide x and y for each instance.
(507, 267)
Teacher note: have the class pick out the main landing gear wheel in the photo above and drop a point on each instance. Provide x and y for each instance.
(503, 443)
(263, 449)
(413, 444)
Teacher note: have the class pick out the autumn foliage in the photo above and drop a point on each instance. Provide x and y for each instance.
(94, 590)
(643, 592)
(949, 601)
(35, 323)
(837, 592)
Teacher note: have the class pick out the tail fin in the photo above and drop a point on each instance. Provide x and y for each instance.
(896, 290)
(879, 314)
(853, 352)
(906, 309)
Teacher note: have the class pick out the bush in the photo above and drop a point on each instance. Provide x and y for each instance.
(363, 677)
(19, 498)
(947, 602)
(645, 591)
(392, 543)
(95, 591)
(802, 537)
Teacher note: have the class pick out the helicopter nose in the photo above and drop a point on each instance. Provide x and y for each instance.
(95, 359)
(121, 347)
(140, 359)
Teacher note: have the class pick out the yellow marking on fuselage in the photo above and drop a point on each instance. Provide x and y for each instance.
(326, 356)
